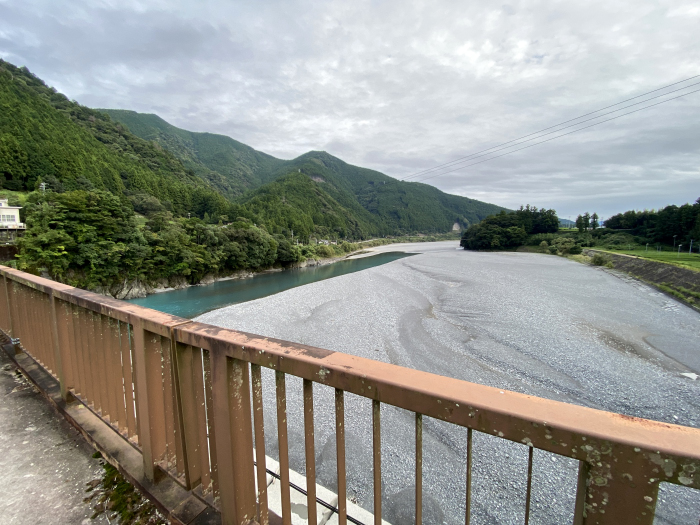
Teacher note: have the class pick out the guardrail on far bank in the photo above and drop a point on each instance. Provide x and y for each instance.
(189, 397)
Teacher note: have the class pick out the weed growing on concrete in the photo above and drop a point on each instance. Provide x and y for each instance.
(116, 496)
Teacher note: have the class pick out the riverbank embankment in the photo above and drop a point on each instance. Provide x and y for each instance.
(682, 283)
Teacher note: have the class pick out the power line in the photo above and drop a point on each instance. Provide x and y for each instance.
(558, 136)
(499, 146)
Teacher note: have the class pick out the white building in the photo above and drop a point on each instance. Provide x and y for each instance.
(9, 217)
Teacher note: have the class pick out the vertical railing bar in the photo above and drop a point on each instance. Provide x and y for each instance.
(377, 457)
(283, 446)
(66, 351)
(125, 345)
(581, 490)
(48, 335)
(310, 451)
(180, 438)
(201, 458)
(118, 367)
(8, 285)
(141, 358)
(72, 348)
(241, 430)
(156, 398)
(528, 494)
(37, 327)
(419, 468)
(111, 370)
(83, 324)
(340, 456)
(80, 384)
(59, 349)
(24, 338)
(99, 351)
(211, 424)
(468, 513)
(92, 359)
(169, 410)
(259, 425)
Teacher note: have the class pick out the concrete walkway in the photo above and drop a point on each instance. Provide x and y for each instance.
(45, 463)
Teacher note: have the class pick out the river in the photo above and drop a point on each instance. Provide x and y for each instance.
(196, 300)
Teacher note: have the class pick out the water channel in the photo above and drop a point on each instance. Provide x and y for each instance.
(196, 300)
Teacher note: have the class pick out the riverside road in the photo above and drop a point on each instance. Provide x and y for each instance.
(536, 324)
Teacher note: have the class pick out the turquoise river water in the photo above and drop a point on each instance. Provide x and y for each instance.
(196, 300)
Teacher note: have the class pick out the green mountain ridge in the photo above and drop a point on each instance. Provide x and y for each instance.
(157, 167)
(227, 164)
(45, 137)
(378, 204)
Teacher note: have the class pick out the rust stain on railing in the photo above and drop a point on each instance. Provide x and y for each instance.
(181, 391)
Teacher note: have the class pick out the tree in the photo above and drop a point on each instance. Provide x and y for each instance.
(594, 221)
(586, 221)
(579, 223)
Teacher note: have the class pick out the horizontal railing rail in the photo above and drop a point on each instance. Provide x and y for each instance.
(189, 396)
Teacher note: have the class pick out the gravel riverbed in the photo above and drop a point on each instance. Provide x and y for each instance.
(531, 323)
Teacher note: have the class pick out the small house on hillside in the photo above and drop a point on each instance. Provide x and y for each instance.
(10, 223)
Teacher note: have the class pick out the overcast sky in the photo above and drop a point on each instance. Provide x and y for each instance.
(398, 86)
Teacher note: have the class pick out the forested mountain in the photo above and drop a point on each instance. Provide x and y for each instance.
(228, 164)
(44, 136)
(156, 167)
(378, 204)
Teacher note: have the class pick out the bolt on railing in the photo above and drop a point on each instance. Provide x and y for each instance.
(190, 397)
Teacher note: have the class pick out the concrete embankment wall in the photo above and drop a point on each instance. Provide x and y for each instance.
(653, 271)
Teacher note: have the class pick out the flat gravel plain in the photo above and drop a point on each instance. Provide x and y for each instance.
(531, 323)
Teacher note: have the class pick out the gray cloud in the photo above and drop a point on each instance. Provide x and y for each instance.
(397, 86)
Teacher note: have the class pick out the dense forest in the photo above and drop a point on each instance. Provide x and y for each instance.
(161, 204)
(672, 224)
(509, 230)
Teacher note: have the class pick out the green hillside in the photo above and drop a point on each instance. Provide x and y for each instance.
(229, 165)
(396, 207)
(373, 203)
(45, 137)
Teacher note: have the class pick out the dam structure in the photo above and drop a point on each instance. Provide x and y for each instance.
(177, 406)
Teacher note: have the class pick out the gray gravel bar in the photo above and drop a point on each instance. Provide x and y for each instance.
(531, 323)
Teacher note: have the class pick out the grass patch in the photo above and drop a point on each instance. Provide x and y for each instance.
(580, 258)
(681, 293)
(684, 259)
(119, 499)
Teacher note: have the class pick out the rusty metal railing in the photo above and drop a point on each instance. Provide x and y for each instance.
(190, 397)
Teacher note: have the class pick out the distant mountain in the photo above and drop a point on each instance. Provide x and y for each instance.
(368, 200)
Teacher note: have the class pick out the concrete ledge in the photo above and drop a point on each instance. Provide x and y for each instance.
(180, 506)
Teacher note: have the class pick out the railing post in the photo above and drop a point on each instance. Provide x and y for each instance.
(142, 405)
(618, 487)
(233, 439)
(9, 304)
(58, 358)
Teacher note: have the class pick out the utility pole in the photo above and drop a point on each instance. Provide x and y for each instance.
(674, 241)
(679, 250)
